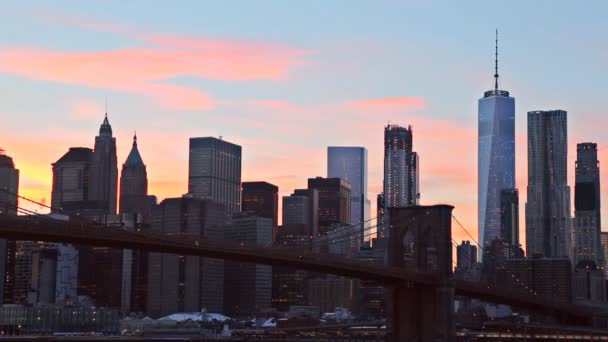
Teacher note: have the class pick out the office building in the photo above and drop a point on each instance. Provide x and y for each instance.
(302, 208)
(548, 218)
(496, 156)
(550, 278)
(9, 189)
(134, 185)
(214, 172)
(178, 283)
(248, 287)
(262, 199)
(350, 164)
(334, 202)
(589, 261)
(604, 242)
(289, 284)
(103, 179)
(71, 183)
(509, 217)
(587, 209)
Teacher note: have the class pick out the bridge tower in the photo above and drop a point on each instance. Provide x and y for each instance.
(420, 239)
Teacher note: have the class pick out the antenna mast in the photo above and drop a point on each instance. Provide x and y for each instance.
(496, 63)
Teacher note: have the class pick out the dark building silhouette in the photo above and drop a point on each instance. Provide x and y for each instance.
(9, 189)
(589, 261)
(550, 278)
(70, 192)
(467, 267)
(214, 172)
(134, 184)
(288, 284)
(179, 283)
(334, 201)
(104, 170)
(247, 287)
(262, 199)
(548, 218)
(509, 217)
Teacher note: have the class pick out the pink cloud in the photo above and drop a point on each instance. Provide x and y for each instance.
(147, 71)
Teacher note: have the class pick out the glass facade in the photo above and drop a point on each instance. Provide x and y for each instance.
(215, 172)
(496, 159)
(350, 164)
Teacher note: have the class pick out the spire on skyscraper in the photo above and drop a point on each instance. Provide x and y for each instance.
(134, 158)
(105, 129)
(496, 63)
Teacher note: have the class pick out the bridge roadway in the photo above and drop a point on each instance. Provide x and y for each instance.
(39, 228)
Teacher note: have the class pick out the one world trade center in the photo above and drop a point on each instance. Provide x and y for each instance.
(496, 157)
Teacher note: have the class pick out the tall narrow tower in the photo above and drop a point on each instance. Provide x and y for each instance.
(548, 218)
(134, 184)
(496, 156)
(104, 170)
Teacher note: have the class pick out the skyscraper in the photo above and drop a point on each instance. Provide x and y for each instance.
(509, 217)
(9, 185)
(496, 156)
(548, 208)
(214, 172)
(9, 189)
(104, 170)
(247, 287)
(178, 283)
(134, 184)
(334, 201)
(262, 199)
(350, 164)
(400, 172)
(587, 218)
(589, 262)
(400, 163)
(71, 182)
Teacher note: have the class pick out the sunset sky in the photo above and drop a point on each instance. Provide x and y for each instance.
(286, 79)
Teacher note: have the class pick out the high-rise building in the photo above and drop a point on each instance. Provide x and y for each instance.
(178, 283)
(9, 189)
(604, 242)
(400, 167)
(214, 172)
(548, 218)
(350, 164)
(104, 170)
(550, 278)
(509, 217)
(135, 203)
(71, 183)
(334, 201)
(401, 176)
(587, 214)
(302, 208)
(589, 261)
(467, 267)
(496, 156)
(134, 184)
(9, 185)
(247, 287)
(262, 199)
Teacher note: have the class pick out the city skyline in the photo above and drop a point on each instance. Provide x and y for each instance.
(269, 155)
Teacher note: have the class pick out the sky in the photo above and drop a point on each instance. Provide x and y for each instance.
(286, 79)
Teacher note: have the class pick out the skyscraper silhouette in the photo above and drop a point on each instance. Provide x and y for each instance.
(134, 184)
(104, 170)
